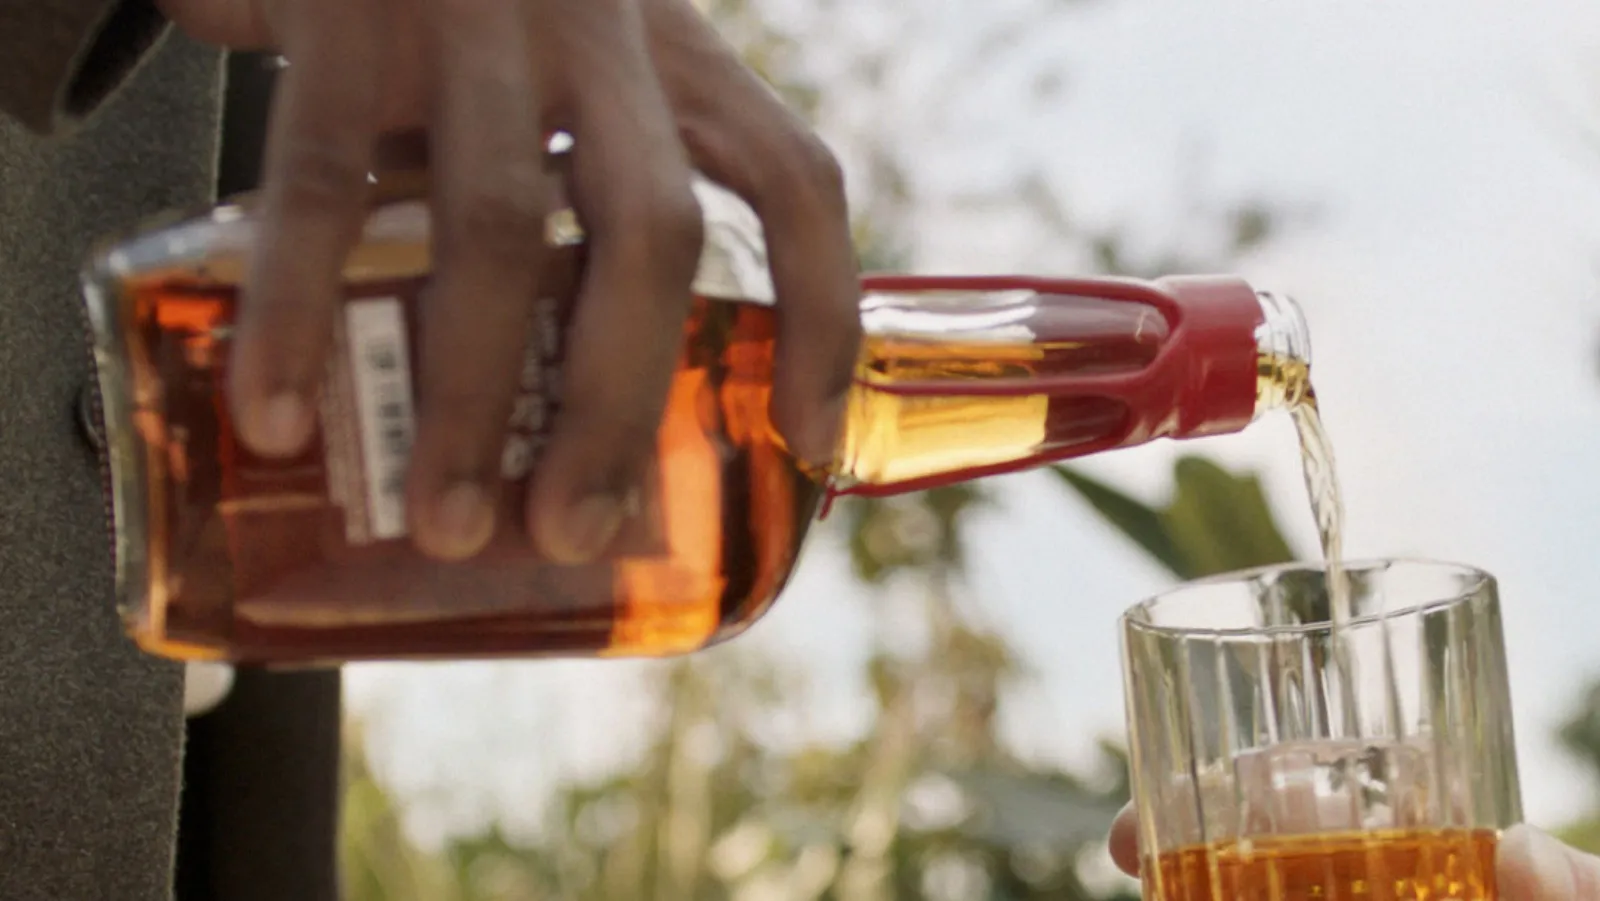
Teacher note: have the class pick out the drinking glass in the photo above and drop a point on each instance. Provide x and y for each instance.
(1277, 757)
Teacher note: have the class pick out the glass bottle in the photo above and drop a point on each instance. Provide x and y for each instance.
(224, 555)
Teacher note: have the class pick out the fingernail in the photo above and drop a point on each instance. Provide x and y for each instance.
(281, 425)
(587, 530)
(463, 521)
(1535, 866)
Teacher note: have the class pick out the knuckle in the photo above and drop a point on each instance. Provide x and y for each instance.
(660, 230)
(505, 222)
(677, 228)
(321, 175)
(808, 168)
(705, 138)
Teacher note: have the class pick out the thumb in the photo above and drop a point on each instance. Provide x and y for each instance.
(1124, 841)
(1533, 866)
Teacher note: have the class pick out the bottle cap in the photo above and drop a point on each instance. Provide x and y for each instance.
(1220, 318)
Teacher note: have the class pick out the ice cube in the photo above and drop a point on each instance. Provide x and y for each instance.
(1331, 785)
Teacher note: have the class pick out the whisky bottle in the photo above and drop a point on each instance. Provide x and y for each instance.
(224, 555)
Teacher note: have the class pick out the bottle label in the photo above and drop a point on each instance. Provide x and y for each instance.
(372, 338)
(369, 421)
(733, 260)
(368, 409)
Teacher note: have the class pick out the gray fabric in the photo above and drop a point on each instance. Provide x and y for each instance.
(260, 814)
(89, 728)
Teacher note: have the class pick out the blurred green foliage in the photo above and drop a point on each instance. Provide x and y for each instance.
(1579, 735)
(1216, 521)
(927, 804)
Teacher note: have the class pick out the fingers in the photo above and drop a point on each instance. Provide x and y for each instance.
(490, 196)
(315, 180)
(631, 189)
(1124, 841)
(741, 135)
(1533, 866)
(801, 201)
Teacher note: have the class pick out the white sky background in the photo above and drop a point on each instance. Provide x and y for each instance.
(1450, 277)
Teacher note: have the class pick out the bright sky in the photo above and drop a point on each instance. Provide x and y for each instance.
(1450, 278)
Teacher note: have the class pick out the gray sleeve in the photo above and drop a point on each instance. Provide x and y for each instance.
(60, 59)
(90, 729)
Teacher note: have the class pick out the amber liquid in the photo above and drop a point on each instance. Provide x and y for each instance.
(1289, 381)
(251, 559)
(1395, 865)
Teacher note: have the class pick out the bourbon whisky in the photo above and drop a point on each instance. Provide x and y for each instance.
(1382, 865)
(220, 554)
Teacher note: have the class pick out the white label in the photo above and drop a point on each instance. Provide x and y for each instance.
(733, 259)
(380, 367)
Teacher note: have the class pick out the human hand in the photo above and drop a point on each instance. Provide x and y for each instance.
(1530, 864)
(647, 89)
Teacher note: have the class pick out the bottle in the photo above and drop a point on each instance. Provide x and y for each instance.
(226, 556)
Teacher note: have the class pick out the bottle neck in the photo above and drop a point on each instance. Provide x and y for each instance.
(1283, 353)
(960, 378)
(964, 378)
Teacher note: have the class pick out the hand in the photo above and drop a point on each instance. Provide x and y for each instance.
(647, 89)
(1531, 865)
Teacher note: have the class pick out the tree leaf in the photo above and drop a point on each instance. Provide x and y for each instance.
(1583, 835)
(1145, 525)
(1220, 522)
(1216, 522)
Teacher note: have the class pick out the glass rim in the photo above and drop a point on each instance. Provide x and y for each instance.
(1476, 579)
